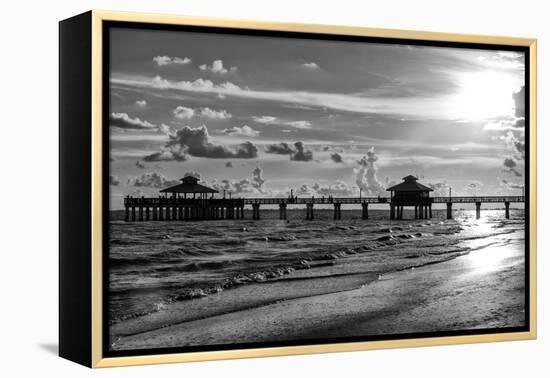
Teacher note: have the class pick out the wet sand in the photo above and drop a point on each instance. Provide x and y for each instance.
(484, 289)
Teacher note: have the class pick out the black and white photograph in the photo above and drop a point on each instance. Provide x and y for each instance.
(272, 189)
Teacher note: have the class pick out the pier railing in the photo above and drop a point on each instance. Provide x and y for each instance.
(177, 208)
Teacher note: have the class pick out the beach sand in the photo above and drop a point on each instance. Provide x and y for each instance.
(480, 290)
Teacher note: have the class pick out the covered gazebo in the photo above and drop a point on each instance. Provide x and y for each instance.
(410, 193)
(190, 185)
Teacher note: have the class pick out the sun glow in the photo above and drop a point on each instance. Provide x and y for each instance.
(484, 95)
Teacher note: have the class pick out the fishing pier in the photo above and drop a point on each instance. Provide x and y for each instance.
(190, 201)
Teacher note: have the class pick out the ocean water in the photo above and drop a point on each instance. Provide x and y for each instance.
(154, 265)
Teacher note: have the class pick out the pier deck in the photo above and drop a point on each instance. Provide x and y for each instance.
(177, 208)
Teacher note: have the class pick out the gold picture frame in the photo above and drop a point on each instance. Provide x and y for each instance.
(93, 23)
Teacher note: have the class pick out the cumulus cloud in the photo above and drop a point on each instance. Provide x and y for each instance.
(366, 174)
(249, 185)
(124, 121)
(167, 60)
(338, 189)
(301, 153)
(298, 152)
(440, 189)
(517, 144)
(194, 174)
(336, 157)
(511, 167)
(243, 131)
(310, 65)
(182, 112)
(258, 179)
(279, 148)
(214, 114)
(140, 165)
(217, 67)
(141, 103)
(113, 180)
(169, 153)
(196, 142)
(152, 180)
(199, 85)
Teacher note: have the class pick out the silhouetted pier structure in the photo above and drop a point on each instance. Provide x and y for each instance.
(191, 201)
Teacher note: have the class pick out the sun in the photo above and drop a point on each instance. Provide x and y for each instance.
(484, 95)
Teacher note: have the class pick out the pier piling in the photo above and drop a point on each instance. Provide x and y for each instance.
(449, 210)
(478, 210)
(365, 210)
(507, 206)
(282, 211)
(309, 211)
(256, 211)
(337, 211)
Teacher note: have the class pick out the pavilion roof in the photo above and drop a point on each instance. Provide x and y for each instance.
(410, 184)
(189, 184)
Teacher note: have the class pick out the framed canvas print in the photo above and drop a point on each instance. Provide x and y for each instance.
(234, 189)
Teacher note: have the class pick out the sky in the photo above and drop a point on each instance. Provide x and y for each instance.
(259, 116)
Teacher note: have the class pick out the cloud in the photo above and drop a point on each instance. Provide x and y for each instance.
(440, 189)
(152, 180)
(257, 178)
(199, 85)
(336, 157)
(169, 153)
(249, 185)
(366, 174)
(338, 189)
(141, 103)
(299, 124)
(513, 124)
(519, 103)
(302, 153)
(274, 120)
(298, 152)
(140, 165)
(402, 103)
(243, 131)
(217, 67)
(264, 119)
(193, 174)
(166, 60)
(310, 65)
(196, 142)
(113, 180)
(124, 121)
(215, 114)
(474, 186)
(165, 129)
(280, 149)
(511, 167)
(511, 185)
(229, 164)
(182, 112)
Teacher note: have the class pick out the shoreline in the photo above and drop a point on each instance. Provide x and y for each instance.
(482, 289)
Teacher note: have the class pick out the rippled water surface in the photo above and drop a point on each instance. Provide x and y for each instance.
(153, 264)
